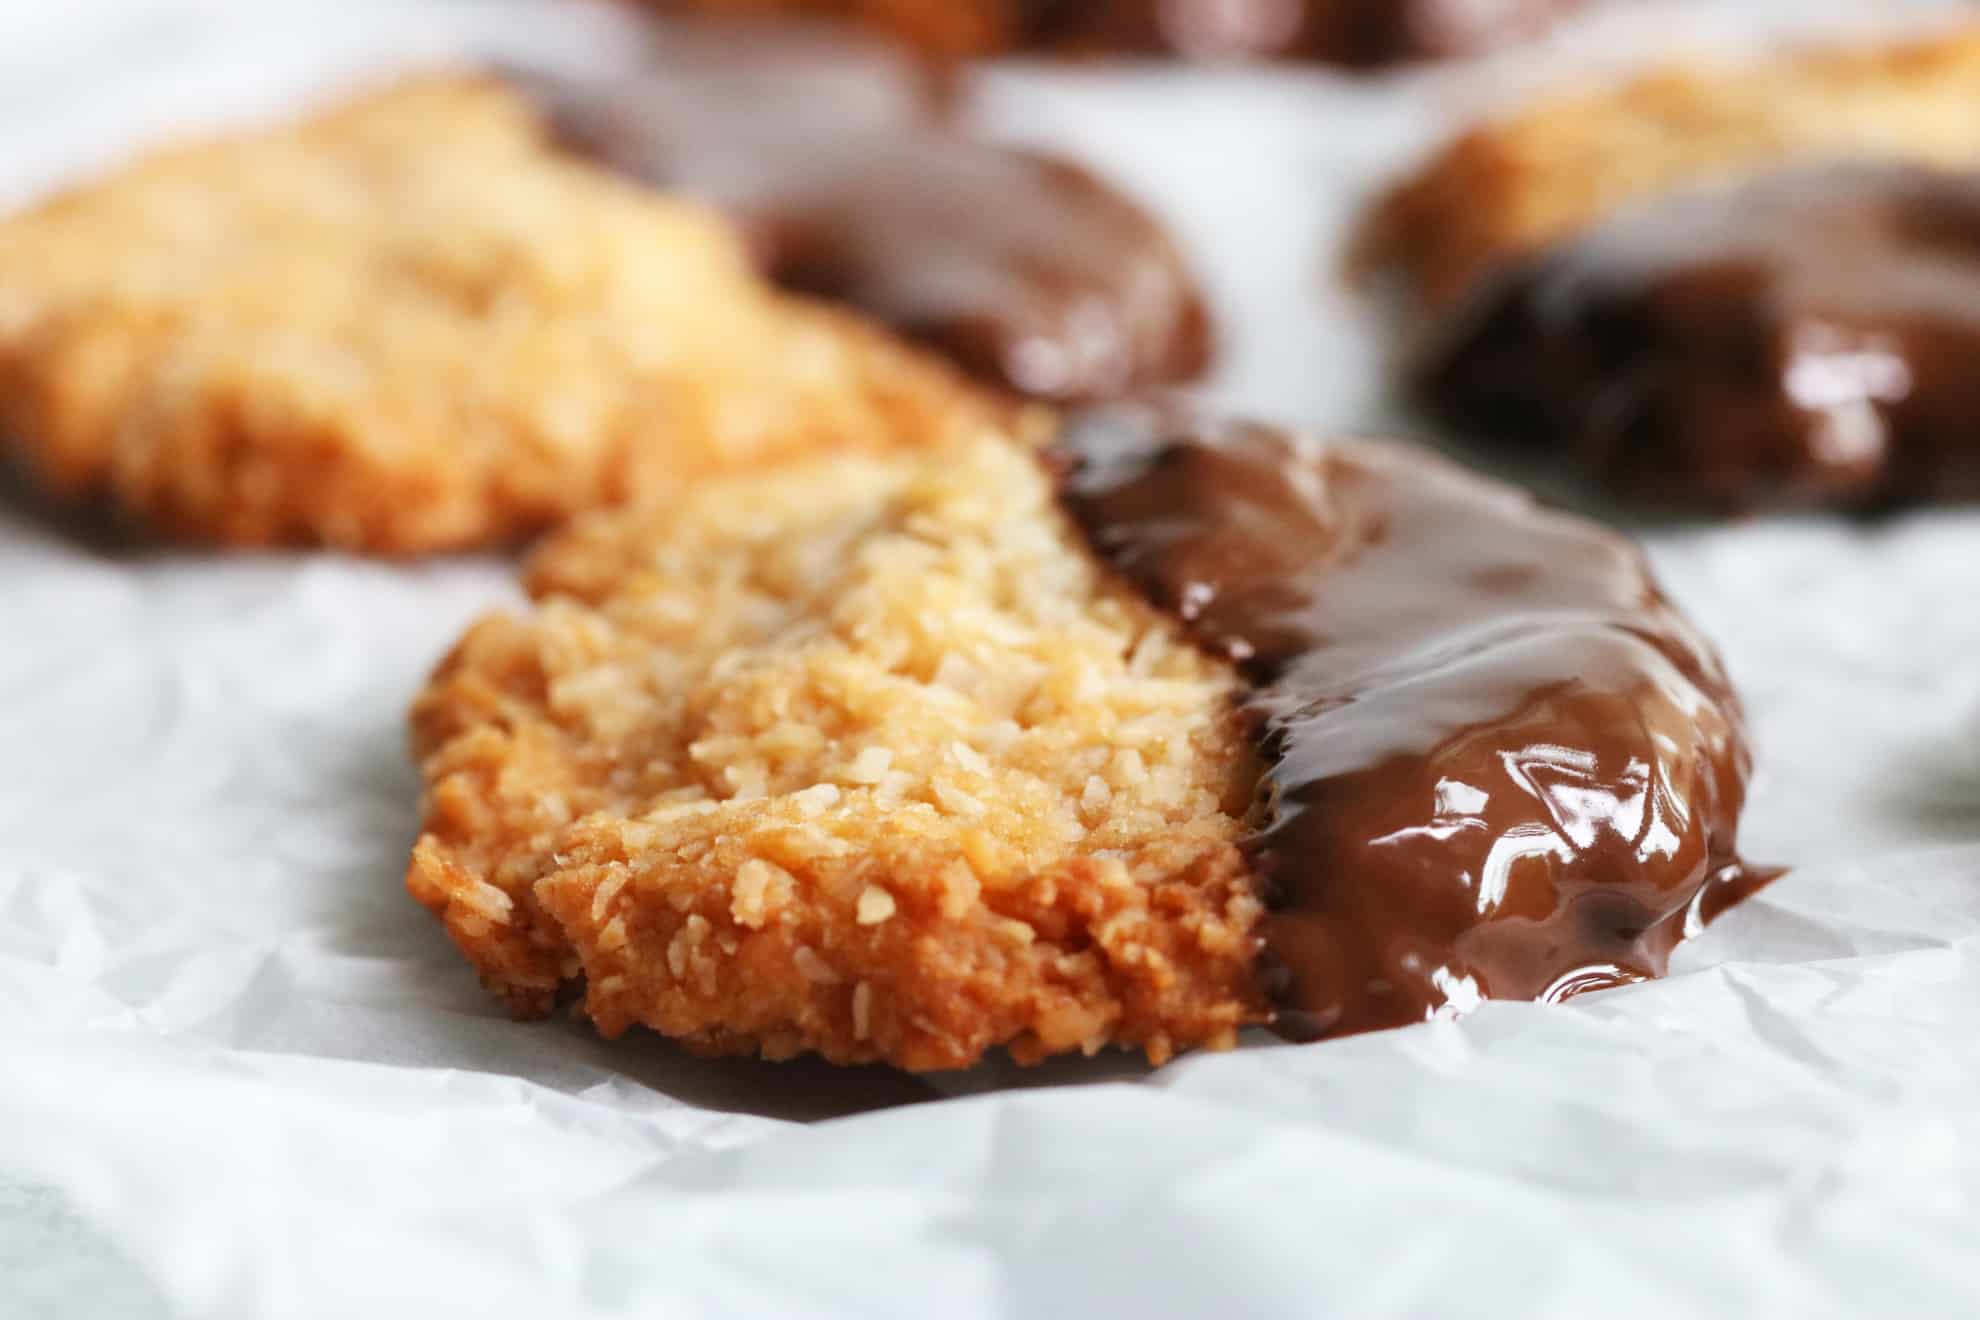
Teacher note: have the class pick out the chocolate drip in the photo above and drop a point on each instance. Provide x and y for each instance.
(1806, 338)
(1500, 765)
(1027, 269)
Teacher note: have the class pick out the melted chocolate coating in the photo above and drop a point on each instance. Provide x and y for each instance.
(1805, 338)
(1500, 764)
(1028, 270)
(1351, 32)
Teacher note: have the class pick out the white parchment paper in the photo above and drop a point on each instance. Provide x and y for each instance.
(241, 1075)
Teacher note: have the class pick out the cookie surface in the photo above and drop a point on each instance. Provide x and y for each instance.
(1514, 185)
(408, 324)
(870, 760)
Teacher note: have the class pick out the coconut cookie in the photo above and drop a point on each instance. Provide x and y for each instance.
(410, 324)
(1027, 269)
(1735, 289)
(868, 759)
(1179, 727)
(1801, 339)
(1564, 164)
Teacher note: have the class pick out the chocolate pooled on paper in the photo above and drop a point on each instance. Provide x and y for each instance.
(1499, 763)
(1028, 269)
(1804, 338)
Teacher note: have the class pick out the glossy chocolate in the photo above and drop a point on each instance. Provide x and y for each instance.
(1351, 32)
(1027, 269)
(1499, 764)
(1805, 338)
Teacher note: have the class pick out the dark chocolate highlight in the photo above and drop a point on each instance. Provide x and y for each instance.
(1356, 33)
(1802, 339)
(1499, 763)
(1029, 270)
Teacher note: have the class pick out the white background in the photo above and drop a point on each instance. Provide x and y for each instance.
(241, 1075)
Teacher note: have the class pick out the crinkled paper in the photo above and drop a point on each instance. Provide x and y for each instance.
(242, 1075)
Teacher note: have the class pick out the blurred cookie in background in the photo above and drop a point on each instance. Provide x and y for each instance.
(1349, 32)
(833, 155)
(410, 323)
(1733, 286)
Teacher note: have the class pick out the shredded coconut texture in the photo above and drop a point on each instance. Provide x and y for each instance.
(408, 324)
(864, 757)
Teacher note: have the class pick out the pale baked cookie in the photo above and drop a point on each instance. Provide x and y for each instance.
(867, 758)
(408, 324)
(1552, 169)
